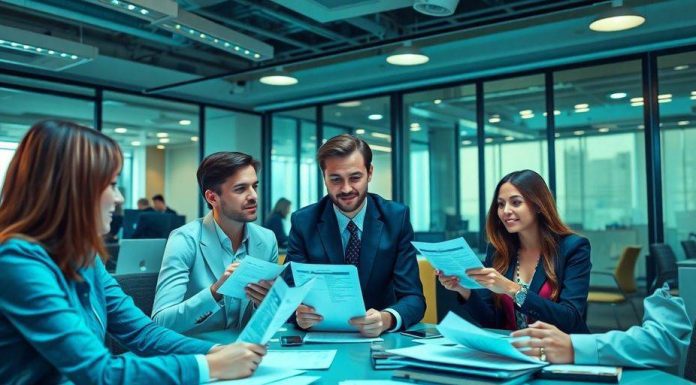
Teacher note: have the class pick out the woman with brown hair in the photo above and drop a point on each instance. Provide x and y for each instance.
(536, 267)
(57, 302)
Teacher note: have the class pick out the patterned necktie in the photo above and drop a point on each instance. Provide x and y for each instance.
(352, 255)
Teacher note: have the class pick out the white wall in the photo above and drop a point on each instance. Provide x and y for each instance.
(181, 187)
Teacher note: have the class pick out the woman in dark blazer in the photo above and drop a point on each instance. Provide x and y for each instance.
(536, 268)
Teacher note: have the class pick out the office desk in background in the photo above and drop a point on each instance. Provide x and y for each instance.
(687, 285)
(352, 361)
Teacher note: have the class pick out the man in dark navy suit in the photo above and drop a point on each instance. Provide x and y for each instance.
(350, 226)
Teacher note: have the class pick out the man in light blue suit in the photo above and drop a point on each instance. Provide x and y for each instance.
(202, 254)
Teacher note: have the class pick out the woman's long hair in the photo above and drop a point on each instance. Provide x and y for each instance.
(551, 228)
(281, 207)
(53, 189)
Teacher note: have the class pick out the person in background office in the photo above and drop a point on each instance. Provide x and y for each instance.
(536, 268)
(57, 302)
(159, 205)
(274, 222)
(351, 226)
(661, 341)
(201, 255)
(144, 205)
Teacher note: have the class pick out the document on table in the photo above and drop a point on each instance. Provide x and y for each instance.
(336, 295)
(371, 382)
(279, 304)
(457, 329)
(337, 338)
(263, 375)
(434, 341)
(300, 359)
(453, 257)
(250, 270)
(462, 356)
(297, 380)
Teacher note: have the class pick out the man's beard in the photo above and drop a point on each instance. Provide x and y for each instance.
(239, 216)
(343, 207)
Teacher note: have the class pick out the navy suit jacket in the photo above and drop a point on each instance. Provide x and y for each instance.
(572, 266)
(388, 267)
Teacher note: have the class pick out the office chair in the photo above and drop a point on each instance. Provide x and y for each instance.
(690, 369)
(625, 281)
(665, 267)
(689, 247)
(140, 287)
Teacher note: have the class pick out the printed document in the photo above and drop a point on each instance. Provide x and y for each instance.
(337, 338)
(453, 257)
(250, 270)
(279, 304)
(300, 359)
(336, 294)
(262, 376)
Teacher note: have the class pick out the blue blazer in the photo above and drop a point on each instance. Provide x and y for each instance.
(388, 267)
(573, 265)
(52, 329)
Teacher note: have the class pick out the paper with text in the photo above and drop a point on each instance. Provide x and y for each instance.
(338, 338)
(453, 257)
(300, 359)
(250, 270)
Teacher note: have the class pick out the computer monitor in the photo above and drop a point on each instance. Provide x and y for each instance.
(140, 256)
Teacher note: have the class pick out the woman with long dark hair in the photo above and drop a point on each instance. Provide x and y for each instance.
(536, 268)
(57, 302)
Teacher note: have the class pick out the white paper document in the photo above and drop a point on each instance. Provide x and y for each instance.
(453, 257)
(263, 375)
(250, 270)
(336, 294)
(371, 382)
(434, 341)
(279, 304)
(462, 356)
(297, 380)
(300, 359)
(337, 338)
(459, 330)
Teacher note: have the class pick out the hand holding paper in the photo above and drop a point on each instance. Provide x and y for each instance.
(453, 257)
(250, 271)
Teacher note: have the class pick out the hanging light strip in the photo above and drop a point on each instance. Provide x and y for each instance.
(155, 11)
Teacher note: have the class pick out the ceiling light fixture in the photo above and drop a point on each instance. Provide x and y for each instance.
(683, 123)
(466, 142)
(120, 130)
(352, 103)
(155, 11)
(618, 95)
(164, 140)
(581, 110)
(636, 100)
(495, 118)
(438, 8)
(375, 117)
(636, 104)
(527, 116)
(135, 143)
(407, 55)
(375, 147)
(204, 31)
(279, 78)
(415, 127)
(185, 122)
(617, 18)
(603, 129)
(681, 67)
(488, 140)
(160, 147)
(21, 47)
(438, 101)
(581, 106)
(381, 135)
(578, 132)
(194, 139)
(360, 131)
(526, 112)
(162, 134)
(509, 138)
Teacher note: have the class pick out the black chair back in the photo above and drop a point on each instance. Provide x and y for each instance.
(689, 248)
(665, 266)
(140, 287)
(690, 369)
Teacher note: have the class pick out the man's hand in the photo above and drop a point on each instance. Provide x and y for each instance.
(228, 271)
(306, 317)
(373, 323)
(234, 361)
(256, 292)
(544, 338)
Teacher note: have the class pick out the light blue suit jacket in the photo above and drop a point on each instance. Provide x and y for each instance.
(192, 262)
(52, 329)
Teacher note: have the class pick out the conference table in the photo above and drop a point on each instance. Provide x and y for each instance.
(352, 361)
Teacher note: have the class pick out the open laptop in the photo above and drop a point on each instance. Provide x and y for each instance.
(140, 256)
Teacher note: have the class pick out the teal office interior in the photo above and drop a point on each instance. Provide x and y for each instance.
(608, 118)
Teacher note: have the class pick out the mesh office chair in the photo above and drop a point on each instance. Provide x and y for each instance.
(689, 248)
(690, 369)
(625, 281)
(141, 287)
(665, 267)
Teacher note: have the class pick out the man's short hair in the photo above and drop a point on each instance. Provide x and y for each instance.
(144, 201)
(342, 146)
(216, 168)
(158, 197)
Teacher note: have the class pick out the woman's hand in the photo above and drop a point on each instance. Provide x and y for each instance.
(491, 279)
(555, 346)
(234, 361)
(451, 282)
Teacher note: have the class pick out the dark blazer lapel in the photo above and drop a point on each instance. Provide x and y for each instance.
(539, 277)
(329, 235)
(369, 242)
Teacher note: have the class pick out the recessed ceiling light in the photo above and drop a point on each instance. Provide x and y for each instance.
(683, 123)
(162, 134)
(603, 129)
(120, 130)
(164, 140)
(557, 135)
(494, 119)
(636, 104)
(617, 19)
(360, 131)
(581, 110)
(581, 106)
(681, 67)
(528, 116)
(578, 132)
(489, 140)
(509, 138)
(381, 135)
(407, 56)
(664, 100)
(664, 96)
(135, 143)
(618, 95)
(380, 148)
(526, 112)
(278, 80)
(415, 127)
(185, 122)
(641, 126)
(160, 147)
(194, 139)
(438, 101)
(375, 117)
(352, 103)
(636, 100)
(466, 142)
